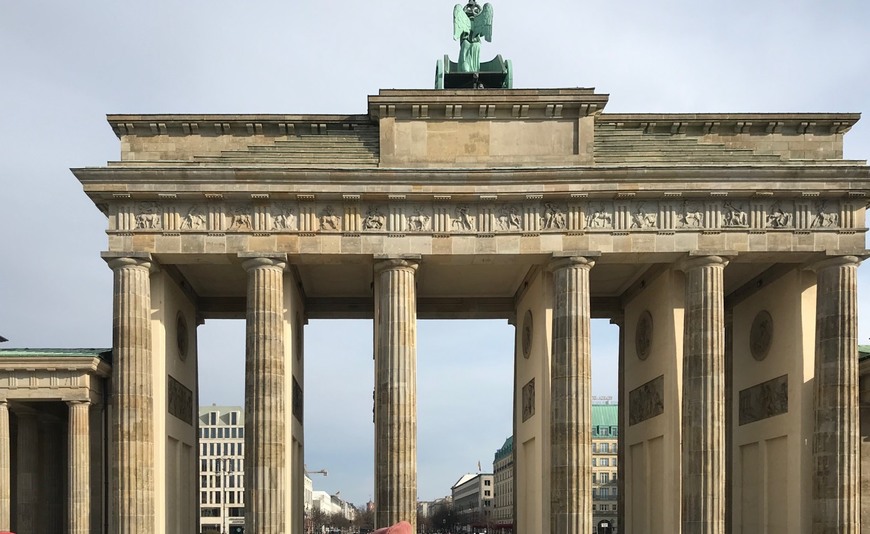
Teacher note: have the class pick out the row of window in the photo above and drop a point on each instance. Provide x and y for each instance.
(213, 417)
(221, 465)
(603, 462)
(216, 512)
(604, 493)
(604, 448)
(216, 481)
(215, 497)
(603, 478)
(605, 430)
(603, 507)
(222, 449)
(222, 433)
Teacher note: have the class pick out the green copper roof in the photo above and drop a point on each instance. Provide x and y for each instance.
(104, 354)
(505, 449)
(863, 352)
(605, 419)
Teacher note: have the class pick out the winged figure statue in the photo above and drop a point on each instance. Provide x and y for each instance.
(470, 23)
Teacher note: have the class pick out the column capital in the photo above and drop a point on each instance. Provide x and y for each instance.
(117, 260)
(564, 262)
(697, 261)
(72, 403)
(835, 261)
(408, 262)
(254, 260)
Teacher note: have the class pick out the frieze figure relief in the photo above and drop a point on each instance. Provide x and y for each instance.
(554, 217)
(692, 216)
(642, 219)
(778, 217)
(194, 219)
(374, 219)
(148, 216)
(328, 219)
(240, 219)
(419, 222)
(283, 218)
(734, 215)
(599, 218)
(463, 221)
(824, 218)
(509, 218)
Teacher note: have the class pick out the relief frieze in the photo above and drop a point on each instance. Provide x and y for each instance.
(439, 217)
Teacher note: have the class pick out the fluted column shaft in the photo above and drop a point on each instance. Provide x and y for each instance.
(703, 410)
(132, 398)
(5, 470)
(79, 483)
(27, 474)
(264, 397)
(395, 392)
(836, 441)
(571, 399)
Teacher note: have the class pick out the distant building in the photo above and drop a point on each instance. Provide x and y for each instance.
(605, 420)
(472, 499)
(503, 477)
(604, 467)
(332, 504)
(222, 475)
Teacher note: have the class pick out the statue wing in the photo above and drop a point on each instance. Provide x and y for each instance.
(461, 22)
(483, 23)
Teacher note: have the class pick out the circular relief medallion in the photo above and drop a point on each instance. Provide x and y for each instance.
(527, 334)
(181, 335)
(761, 335)
(643, 335)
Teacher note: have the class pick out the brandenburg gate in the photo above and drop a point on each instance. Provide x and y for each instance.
(725, 247)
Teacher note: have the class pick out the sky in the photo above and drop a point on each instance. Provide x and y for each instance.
(65, 65)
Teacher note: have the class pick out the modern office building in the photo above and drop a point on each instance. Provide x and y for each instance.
(221, 466)
(472, 499)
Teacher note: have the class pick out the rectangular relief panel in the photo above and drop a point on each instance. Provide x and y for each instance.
(646, 401)
(764, 400)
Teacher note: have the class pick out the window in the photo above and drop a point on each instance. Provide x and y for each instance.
(487, 482)
(594, 478)
(203, 498)
(605, 478)
(594, 448)
(594, 462)
(605, 462)
(604, 492)
(486, 493)
(594, 507)
(613, 448)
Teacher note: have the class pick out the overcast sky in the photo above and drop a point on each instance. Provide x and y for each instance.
(65, 65)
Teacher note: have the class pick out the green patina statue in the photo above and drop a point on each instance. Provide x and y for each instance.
(470, 23)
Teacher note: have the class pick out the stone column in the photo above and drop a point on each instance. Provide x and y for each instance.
(79, 481)
(265, 444)
(395, 392)
(5, 470)
(836, 488)
(27, 471)
(571, 399)
(703, 417)
(132, 397)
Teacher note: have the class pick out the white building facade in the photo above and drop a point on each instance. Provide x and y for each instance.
(472, 499)
(221, 465)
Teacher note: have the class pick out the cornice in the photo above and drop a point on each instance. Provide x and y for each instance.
(734, 123)
(848, 176)
(145, 125)
(492, 104)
